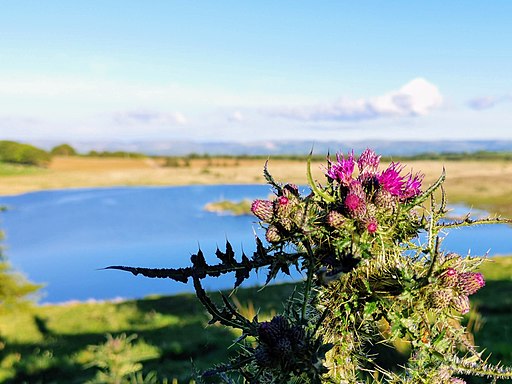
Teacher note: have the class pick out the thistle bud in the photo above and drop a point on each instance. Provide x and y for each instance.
(282, 207)
(461, 304)
(384, 200)
(456, 380)
(441, 299)
(262, 356)
(263, 210)
(470, 282)
(287, 223)
(272, 235)
(270, 332)
(335, 219)
(372, 225)
(283, 347)
(355, 201)
(449, 278)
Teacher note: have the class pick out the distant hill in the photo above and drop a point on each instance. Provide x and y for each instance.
(290, 147)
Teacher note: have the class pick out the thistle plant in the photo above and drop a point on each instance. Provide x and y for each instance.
(377, 283)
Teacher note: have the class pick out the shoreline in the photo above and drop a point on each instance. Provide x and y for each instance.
(482, 184)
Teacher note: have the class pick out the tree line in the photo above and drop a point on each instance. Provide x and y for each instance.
(25, 154)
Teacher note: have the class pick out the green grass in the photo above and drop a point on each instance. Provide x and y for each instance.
(7, 169)
(50, 344)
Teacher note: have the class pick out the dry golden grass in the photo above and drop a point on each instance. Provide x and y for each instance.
(485, 184)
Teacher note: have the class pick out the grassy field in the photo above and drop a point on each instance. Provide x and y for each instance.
(173, 338)
(58, 343)
(483, 184)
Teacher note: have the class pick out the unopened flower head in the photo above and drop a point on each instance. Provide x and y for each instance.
(272, 235)
(335, 219)
(461, 304)
(355, 201)
(470, 282)
(372, 225)
(441, 298)
(342, 169)
(449, 278)
(263, 210)
(282, 200)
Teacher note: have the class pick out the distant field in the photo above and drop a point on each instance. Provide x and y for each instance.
(481, 183)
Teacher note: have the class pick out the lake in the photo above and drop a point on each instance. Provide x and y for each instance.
(63, 238)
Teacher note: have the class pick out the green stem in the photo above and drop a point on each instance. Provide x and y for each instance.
(309, 278)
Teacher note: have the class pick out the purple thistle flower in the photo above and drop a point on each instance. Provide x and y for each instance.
(390, 179)
(368, 163)
(342, 170)
(412, 186)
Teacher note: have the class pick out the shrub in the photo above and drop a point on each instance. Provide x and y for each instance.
(63, 150)
(13, 152)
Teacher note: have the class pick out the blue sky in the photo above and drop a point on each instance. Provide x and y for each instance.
(266, 70)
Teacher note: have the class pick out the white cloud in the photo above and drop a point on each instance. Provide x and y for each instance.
(150, 117)
(236, 117)
(487, 102)
(416, 98)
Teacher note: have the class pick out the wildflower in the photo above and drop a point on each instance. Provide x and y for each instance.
(368, 163)
(342, 170)
(263, 210)
(390, 179)
(412, 186)
(470, 282)
(456, 380)
(263, 356)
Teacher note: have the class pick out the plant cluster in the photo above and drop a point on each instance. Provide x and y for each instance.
(381, 301)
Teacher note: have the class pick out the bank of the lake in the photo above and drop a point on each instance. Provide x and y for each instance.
(485, 184)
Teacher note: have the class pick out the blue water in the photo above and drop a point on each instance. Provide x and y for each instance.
(63, 238)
